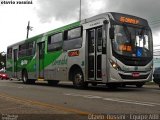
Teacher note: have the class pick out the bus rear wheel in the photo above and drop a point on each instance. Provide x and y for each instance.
(78, 80)
(25, 77)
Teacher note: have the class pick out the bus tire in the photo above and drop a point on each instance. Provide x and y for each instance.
(78, 80)
(53, 82)
(139, 85)
(25, 77)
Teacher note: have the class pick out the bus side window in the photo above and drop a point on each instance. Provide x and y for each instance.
(22, 50)
(31, 48)
(55, 42)
(26, 49)
(73, 39)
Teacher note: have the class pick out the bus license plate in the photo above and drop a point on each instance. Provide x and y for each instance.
(135, 74)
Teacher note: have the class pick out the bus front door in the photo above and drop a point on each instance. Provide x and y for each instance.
(41, 52)
(95, 54)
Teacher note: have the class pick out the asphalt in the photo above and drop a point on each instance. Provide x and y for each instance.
(41, 101)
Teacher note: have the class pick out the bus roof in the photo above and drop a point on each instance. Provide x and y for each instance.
(35, 38)
(113, 15)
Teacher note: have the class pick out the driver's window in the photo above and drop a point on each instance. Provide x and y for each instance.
(146, 42)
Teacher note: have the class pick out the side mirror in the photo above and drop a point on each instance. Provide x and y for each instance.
(105, 22)
(111, 33)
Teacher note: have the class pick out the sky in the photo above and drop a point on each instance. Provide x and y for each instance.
(45, 15)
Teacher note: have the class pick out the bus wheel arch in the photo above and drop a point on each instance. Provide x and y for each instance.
(76, 75)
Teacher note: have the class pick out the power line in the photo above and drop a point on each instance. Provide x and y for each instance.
(80, 11)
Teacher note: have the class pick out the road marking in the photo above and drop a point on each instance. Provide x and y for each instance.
(85, 96)
(151, 104)
(42, 104)
(129, 101)
(134, 102)
(14, 86)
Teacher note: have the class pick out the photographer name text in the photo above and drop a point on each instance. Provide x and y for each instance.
(5, 2)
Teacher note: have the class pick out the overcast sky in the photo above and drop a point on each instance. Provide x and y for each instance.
(46, 15)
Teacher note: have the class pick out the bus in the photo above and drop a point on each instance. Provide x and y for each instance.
(110, 48)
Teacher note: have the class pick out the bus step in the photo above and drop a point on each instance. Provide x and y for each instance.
(40, 79)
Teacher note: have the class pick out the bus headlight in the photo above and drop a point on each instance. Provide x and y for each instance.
(115, 65)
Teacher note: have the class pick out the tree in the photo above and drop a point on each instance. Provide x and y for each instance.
(2, 60)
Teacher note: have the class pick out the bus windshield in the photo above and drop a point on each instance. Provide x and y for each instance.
(132, 41)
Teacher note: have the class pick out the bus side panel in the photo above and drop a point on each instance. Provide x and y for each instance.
(9, 63)
(61, 67)
(27, 63)
(57, 68)
(78, 60)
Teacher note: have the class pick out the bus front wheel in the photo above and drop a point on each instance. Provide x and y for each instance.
(78, 80)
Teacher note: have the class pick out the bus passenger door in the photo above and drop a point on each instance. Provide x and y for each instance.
(95, 54)
(15, 58)
(41, 52)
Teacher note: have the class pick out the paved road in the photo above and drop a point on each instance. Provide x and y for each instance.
(18, 98)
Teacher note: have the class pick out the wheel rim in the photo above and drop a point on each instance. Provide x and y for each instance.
(24, 78)
(78, 79)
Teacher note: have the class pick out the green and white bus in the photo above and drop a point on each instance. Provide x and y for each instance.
(110, 48)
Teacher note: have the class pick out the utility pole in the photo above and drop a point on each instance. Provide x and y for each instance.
(29, 28)
(80, 11)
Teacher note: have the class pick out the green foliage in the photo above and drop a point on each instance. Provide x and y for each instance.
(2, 60)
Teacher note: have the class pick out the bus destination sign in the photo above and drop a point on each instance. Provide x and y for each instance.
(128, 20)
